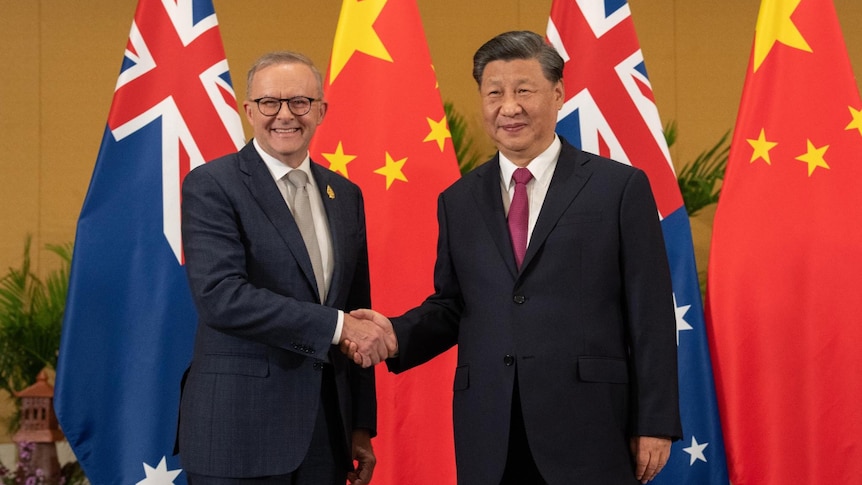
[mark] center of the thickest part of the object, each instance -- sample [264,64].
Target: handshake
[367,338]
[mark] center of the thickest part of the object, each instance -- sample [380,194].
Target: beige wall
[59,62]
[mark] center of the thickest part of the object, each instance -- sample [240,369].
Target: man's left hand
[364,457]
[650,455]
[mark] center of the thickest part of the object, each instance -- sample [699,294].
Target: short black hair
[519,44]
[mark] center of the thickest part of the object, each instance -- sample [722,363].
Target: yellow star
[439,131]
[774,25]
[857,120]
[392,170]
[761,148]
[355,33]
[338,161]
[814,157]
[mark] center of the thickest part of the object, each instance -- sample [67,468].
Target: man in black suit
[552,279]
[272,262]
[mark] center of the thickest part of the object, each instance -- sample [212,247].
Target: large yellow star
[857,120]
[814,157]
[338,161]
[774,25]
[761,148]
[439,131]
[392,170]
[355,33]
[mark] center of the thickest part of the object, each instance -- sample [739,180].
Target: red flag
[386,130]
[785,269]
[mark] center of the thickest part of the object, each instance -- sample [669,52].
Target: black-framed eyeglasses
[298,105]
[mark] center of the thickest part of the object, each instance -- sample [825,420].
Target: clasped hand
[367,338]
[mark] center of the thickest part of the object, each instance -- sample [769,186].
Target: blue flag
[610,111]
[129,323]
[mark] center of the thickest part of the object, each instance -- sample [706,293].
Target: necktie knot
[522,176]
[297,178]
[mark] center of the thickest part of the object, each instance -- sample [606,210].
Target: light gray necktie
[305,221]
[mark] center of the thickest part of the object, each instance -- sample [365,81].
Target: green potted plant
[31,319]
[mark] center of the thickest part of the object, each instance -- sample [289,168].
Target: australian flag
[610,110]
[129,323]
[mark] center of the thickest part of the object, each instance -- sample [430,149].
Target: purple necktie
[519,214]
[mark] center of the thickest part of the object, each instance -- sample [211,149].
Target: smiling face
[519,108]
[285,136]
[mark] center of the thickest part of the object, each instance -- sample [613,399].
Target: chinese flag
[386,131]
[785,270]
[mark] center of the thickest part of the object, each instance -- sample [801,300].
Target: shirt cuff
[336,339]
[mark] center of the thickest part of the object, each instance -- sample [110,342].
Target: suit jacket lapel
[266,193]
[322,179]
[490,201]
[569,178]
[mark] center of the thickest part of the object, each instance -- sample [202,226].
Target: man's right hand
[367,337]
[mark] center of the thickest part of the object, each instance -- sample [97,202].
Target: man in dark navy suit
[275,250]
[552,279]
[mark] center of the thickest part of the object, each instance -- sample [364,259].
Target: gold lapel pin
[330,192]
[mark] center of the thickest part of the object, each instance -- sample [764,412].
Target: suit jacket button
[519,299]
[317,366]
[509,360]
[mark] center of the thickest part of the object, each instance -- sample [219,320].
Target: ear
[249,110]
[324,106]
[559,94]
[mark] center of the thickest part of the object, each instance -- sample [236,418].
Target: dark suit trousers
[520,469]
[324,464]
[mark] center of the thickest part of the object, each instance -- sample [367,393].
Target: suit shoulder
[219,166]
[594,162]
[469,180]
[226,172]
[611,168]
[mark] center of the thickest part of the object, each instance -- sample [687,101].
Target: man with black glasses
[275,252]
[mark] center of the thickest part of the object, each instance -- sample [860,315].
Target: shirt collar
[278,169]
[539,166]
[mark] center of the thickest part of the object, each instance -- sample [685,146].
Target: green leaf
[700,180]
[468,158]
[670,133]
